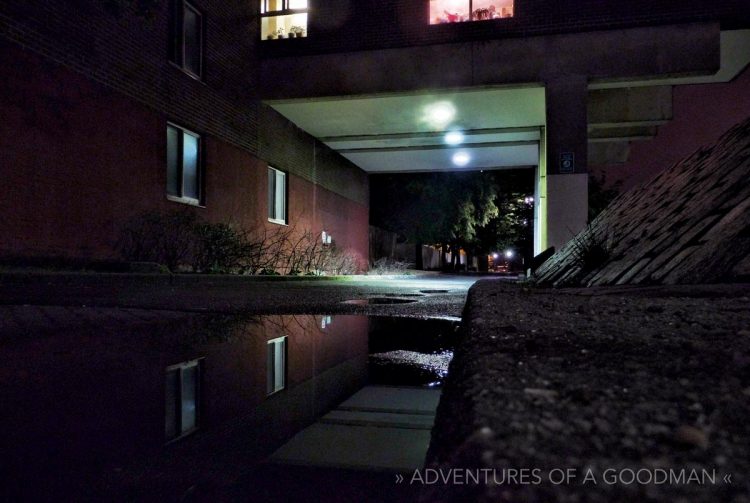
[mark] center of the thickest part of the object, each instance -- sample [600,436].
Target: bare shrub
[168,239]
[221,248]
[179,240]
[341,262]
[388,266]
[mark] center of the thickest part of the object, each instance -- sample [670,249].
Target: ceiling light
[454,138]
[439,114]
[461,158]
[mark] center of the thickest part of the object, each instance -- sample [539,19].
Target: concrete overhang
[636,54]
[370,105]
[494,128]
[734,57]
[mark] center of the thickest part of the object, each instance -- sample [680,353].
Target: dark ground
[605,379]
[76,343]
[601,379]
[240,294]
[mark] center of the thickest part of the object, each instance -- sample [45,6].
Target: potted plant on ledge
[296,31]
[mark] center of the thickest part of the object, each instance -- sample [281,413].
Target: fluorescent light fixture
[461,158]
[439,114]
[454,138]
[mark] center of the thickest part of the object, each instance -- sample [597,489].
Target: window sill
[186,200]
[266,39]
[182,436]
[187,72]
[278,222]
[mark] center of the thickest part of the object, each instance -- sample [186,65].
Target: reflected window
[182,399]
[276,367]
[458,11]
[187,38]
[183,165]
[282,19]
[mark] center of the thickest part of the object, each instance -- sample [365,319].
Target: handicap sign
[567,162]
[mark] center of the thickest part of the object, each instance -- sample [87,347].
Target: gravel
[603,383]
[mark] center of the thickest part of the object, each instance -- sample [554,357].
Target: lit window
[276,196]
[182,399]
[276,370]
[183,165]
[283,19]
[457,11]
[187,38]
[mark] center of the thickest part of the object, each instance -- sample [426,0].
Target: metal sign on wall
[567,162]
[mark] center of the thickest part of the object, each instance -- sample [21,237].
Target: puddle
[434,291]
[146,403]
[404,295]
[379,301]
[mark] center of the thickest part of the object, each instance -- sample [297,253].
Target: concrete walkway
[445,295]
[377,428]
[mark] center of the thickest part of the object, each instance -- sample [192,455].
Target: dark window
[187,38]
[182,399]
[184,167]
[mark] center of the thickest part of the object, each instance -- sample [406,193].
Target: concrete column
[566,145]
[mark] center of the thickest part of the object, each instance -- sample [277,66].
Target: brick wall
[85,100]
[78,159]
[346,25]
[128,53]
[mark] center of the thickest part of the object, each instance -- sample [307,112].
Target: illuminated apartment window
[283,19]
[184,167]
[276,196]
[186,49]
[276,368]
[458,11]
[182,399]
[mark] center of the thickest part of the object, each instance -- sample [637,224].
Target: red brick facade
[85,107]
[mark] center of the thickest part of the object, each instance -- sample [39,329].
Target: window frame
[285,355]
[284,11]
[178,39]
[274,220]
[180,368]
[200,166]
[471,15]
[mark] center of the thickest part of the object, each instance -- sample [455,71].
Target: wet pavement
[120,390]
[238,294]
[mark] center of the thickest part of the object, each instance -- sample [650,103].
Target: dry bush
[180,241]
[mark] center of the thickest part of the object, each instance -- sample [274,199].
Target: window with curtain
[458,11]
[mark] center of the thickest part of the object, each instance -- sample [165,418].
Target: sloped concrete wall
[689,224]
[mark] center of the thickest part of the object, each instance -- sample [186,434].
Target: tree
[472,211]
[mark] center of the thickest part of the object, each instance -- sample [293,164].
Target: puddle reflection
[145,408]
